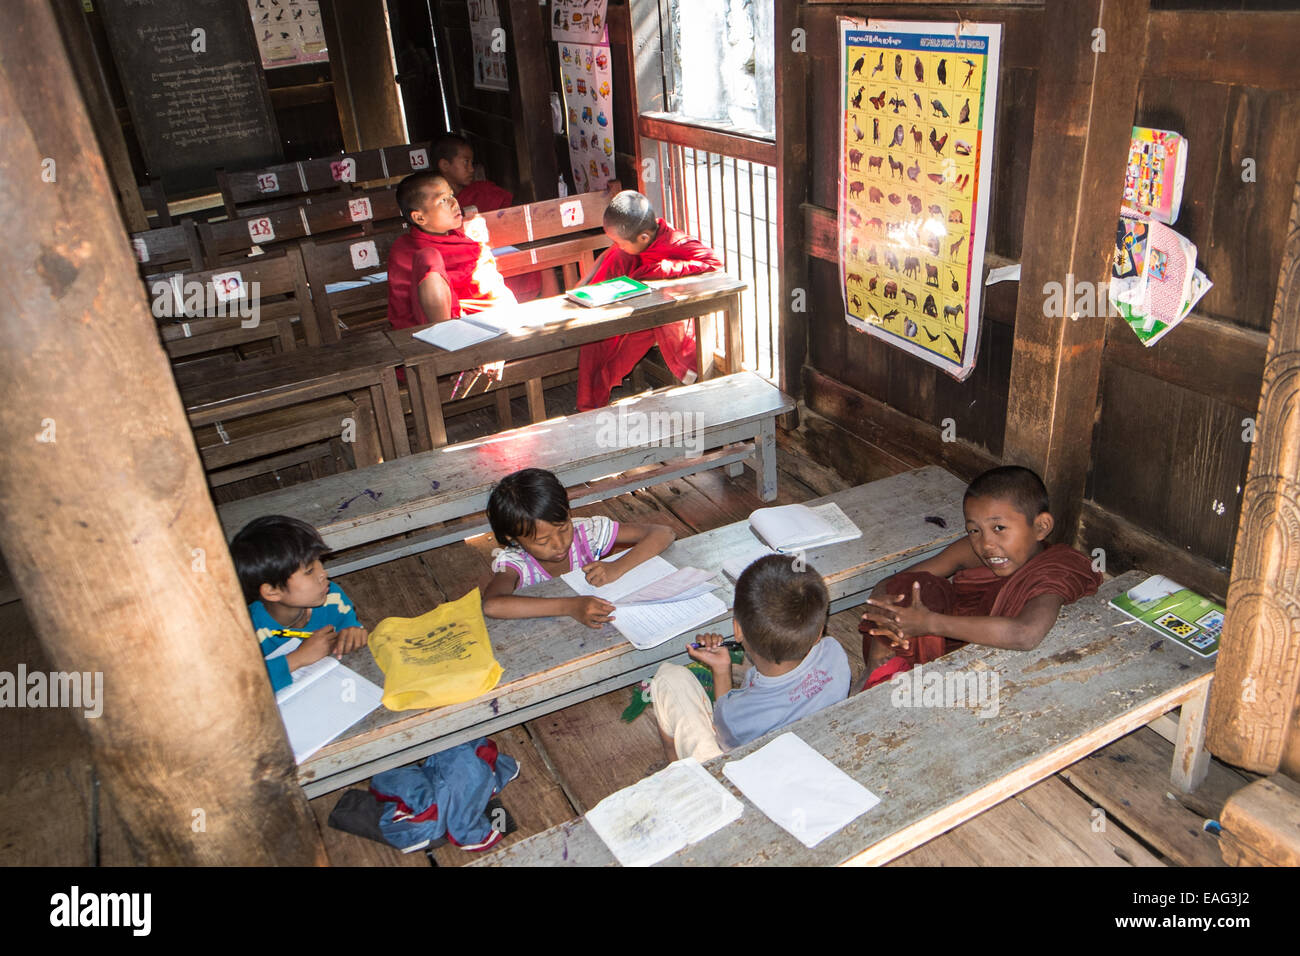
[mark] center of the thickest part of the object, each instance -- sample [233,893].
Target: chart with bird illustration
[919,101]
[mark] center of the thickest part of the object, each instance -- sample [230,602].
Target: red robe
[489,197]
[978,592]
[465,263]
[602,365]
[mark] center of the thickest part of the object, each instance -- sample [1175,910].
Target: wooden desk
[275,381]
[551,663]
[571,325]
[1096,677]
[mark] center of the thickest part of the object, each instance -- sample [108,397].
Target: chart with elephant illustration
[919,101]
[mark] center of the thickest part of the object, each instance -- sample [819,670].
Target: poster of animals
[589,107]
[487,37]
[288,32]
[578,21]
[918,101]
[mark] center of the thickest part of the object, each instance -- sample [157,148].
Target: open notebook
[325,699]
[654,602]
[799,528]
[456,334]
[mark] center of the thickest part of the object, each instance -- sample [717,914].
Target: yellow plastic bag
[440,658]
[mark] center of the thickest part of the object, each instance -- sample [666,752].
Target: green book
[609,291]
[1172,610]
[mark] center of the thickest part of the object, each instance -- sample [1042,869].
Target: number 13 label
[419,159]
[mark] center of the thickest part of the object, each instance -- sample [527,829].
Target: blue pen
[727,643]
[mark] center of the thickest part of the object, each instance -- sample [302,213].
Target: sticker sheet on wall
[916,154]
[578,21]
[288,32]
[589,109]
[488,39]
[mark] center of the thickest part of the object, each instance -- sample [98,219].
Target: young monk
[1000,585]
[435,271]
[453,157]
[644,247]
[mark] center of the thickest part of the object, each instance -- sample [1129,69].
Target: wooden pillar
[364,72]
[105,519]
[1253,709]
[792,113]
[1083,114]
[530,97]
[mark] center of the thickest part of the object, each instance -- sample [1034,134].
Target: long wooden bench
[552,663]
[1095,677]
[164,250]
[440,494]
[552,233]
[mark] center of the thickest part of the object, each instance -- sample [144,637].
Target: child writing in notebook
[529,514]
[1007,585]
[644,247]
[290,597]
[435,271]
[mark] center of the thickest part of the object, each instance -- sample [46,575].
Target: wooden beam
[792,117]
[1084,109]
[1259,824]
[530,91]
[665,129]
[890,429]
[1253,707]
[1255,48]
[365,74]
[104,514]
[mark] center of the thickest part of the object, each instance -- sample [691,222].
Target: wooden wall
[1167,448]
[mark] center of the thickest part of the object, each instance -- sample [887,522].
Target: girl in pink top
[529,514]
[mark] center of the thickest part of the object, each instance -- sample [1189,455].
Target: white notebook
[654,602]
[456,334]
[653,819]
[325,699]
[798,528]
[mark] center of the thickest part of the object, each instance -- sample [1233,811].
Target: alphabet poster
[916,157]
[589,105]
[488,39]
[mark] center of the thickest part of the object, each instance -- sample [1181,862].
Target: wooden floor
[1110,809]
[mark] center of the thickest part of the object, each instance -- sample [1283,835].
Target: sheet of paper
[799,789]
[507,319]
[681,585]
[1003,274]
[323,705]
[455,335]
[733,567]
[653,819]
[649,625]
[643,575]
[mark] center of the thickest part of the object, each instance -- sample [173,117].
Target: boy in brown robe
[1000,585]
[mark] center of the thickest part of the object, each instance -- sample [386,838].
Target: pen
[727,643]
[287,633]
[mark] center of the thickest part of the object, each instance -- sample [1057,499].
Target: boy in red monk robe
[644,247]
[435,271]
[1006,586]
[453,157]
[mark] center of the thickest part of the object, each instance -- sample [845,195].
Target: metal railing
[730,203]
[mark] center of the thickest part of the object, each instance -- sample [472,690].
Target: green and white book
[609,291]
[1175,612]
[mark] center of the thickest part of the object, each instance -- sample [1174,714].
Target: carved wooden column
[1253,704]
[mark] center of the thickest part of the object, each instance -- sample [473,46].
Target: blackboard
[197,101]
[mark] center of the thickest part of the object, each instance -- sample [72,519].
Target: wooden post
[104,516]
[365,73]
[530,98]
[792,114]
[1083,114]
[1253,709]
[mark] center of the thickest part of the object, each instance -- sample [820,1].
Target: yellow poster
[915,163]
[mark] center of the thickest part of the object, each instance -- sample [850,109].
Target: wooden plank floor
[51,812]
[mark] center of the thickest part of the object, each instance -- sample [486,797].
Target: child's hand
[315,647]
[710,651]
[600,573]
[350,639]
[592,611]
[906,621]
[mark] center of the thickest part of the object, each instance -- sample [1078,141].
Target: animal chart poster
[489,46]
[578,21]
[289,32]
[916,157]
[589,106]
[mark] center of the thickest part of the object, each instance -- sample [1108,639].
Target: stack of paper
[790,528]
[655,602]
[325,699]
[651,820]
[799,789]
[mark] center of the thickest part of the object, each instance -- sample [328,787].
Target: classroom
[494,433]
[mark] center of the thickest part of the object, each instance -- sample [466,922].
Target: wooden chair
[160,251]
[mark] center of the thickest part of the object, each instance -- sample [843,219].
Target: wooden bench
[365,364]
[274,285]
[552,663]
[160,251]
[568,326]
[1095,677]
[257,191]
[441,493]
[553,233]
[331,263]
